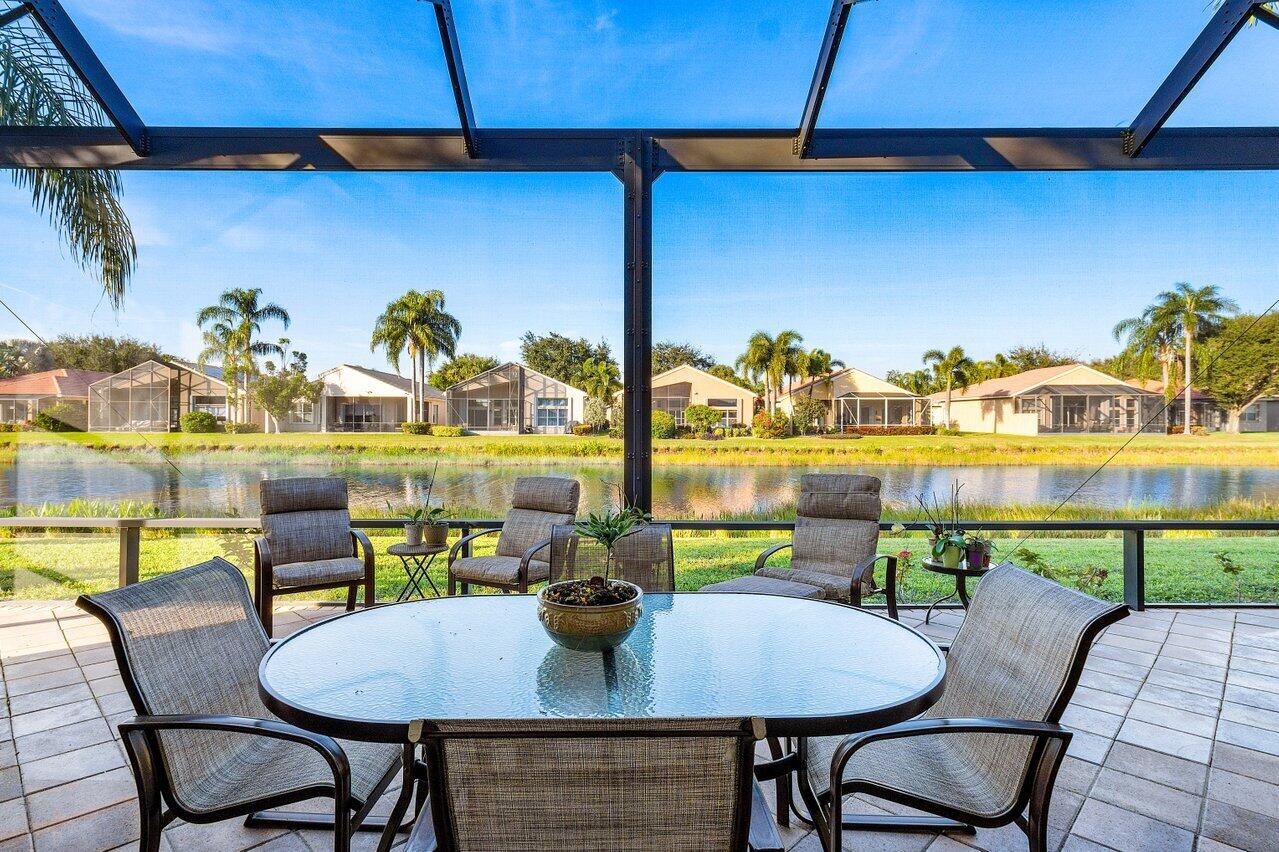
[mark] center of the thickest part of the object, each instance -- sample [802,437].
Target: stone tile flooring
[1177,743]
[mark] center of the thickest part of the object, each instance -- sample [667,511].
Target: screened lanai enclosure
[152,397]
[514,399]
[886,409]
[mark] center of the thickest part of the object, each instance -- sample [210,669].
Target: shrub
[243,428]
[596,415]
[701,418]
[583,429]
[766,425]
[448,431]
[846,431]
[10,427]
[198,421]
[663,425]
[61,417]
[807,413]
[416,427]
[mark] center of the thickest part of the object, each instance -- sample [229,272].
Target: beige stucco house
[22,397]
[1063,399]
[514,399]
[680,387]
[360,399]
[856,398]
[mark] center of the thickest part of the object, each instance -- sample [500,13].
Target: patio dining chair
[589,785]
[538,504]
[645,557]
[308,544]
[833,551]
[987,753]
[203,747]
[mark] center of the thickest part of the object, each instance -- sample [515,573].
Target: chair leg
[368,590]
[144,768]
[452,584]
[1036,826]
[350,596]
[266,610]
[783,784]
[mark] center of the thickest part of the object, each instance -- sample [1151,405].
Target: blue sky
[875,268]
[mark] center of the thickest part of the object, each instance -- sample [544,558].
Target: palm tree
[1198,312]
[232,325]
[817,363]
[996,368]
[772,359]
[39,89]
[1150,337]
[417,321]
[953,369]
[918,382]
[600,379]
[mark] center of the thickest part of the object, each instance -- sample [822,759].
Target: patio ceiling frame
[638,156]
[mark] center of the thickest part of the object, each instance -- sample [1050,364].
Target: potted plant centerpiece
[948,541]
[598,613]
[435,529]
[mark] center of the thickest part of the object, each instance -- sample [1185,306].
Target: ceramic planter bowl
[413,534]
[589,628]
[435,535]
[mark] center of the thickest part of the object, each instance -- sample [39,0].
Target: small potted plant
[977,550]
[949,548]
[413,523]
[595,614]
[435,529]
[946,538]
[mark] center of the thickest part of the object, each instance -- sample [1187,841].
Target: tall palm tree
[815,364]
[39,89]
[953,369]
[918,382]
[1150,337]
[234,323]
[417,321]
[996,368]
[1197,312]
[772,359]
[600,378]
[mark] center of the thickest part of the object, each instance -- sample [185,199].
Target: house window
[303,411]
[727,409]
[1252,414]
[13,411]
[1027,405]
[672,405]
[552,412]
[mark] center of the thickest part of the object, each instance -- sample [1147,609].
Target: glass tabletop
[806,667]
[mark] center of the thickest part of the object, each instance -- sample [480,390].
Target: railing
[1132,532]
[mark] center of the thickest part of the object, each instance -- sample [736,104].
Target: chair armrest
[763,557]
[326,746]
[262,554]
[360,541]
[466,539]
[528,556]
[773,769]
[867,567]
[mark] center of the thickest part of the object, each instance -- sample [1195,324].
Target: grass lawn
[1179,569]
[1257,449]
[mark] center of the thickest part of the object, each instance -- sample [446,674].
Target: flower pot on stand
[977,558]
[952,555]
[413,534]
[435,535]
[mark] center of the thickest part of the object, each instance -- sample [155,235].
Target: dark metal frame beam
[1223,27]
[840,10]
[16,13]
[638,156]
[457,75]
[1261,13]
[66,36]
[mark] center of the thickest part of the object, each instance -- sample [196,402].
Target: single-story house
[154,395]
[1067,398]
[514,399]
[22,397]
[360,399]
[1204,410]
[856,398]
[680,387]
[1261,416]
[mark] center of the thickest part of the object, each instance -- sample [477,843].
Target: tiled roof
[60,383]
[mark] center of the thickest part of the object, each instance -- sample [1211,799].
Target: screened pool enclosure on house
[638,156]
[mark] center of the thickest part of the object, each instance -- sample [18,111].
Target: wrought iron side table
[417,561]
[961,573]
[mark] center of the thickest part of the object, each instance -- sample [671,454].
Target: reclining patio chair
[590,785]
[539,503]
[833,551]
[308,544]
[203,748]
[645,557]
[987,753]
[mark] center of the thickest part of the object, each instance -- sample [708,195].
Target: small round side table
[961,573]
[417,561]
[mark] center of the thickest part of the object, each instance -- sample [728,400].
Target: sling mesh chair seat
[992,744]
[645,557]
[188,645]
[308,544]
[590,785]
[539,503]
[833,549]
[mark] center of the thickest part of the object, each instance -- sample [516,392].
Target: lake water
[215,486]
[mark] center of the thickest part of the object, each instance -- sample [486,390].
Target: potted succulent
[413,522]
[977,550]
[595,614]
[435,529]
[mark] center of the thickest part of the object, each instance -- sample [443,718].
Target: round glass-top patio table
[808,668]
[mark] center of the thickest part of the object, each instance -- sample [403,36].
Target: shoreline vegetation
[1217,449]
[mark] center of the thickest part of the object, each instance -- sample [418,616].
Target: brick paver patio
[1176,745]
